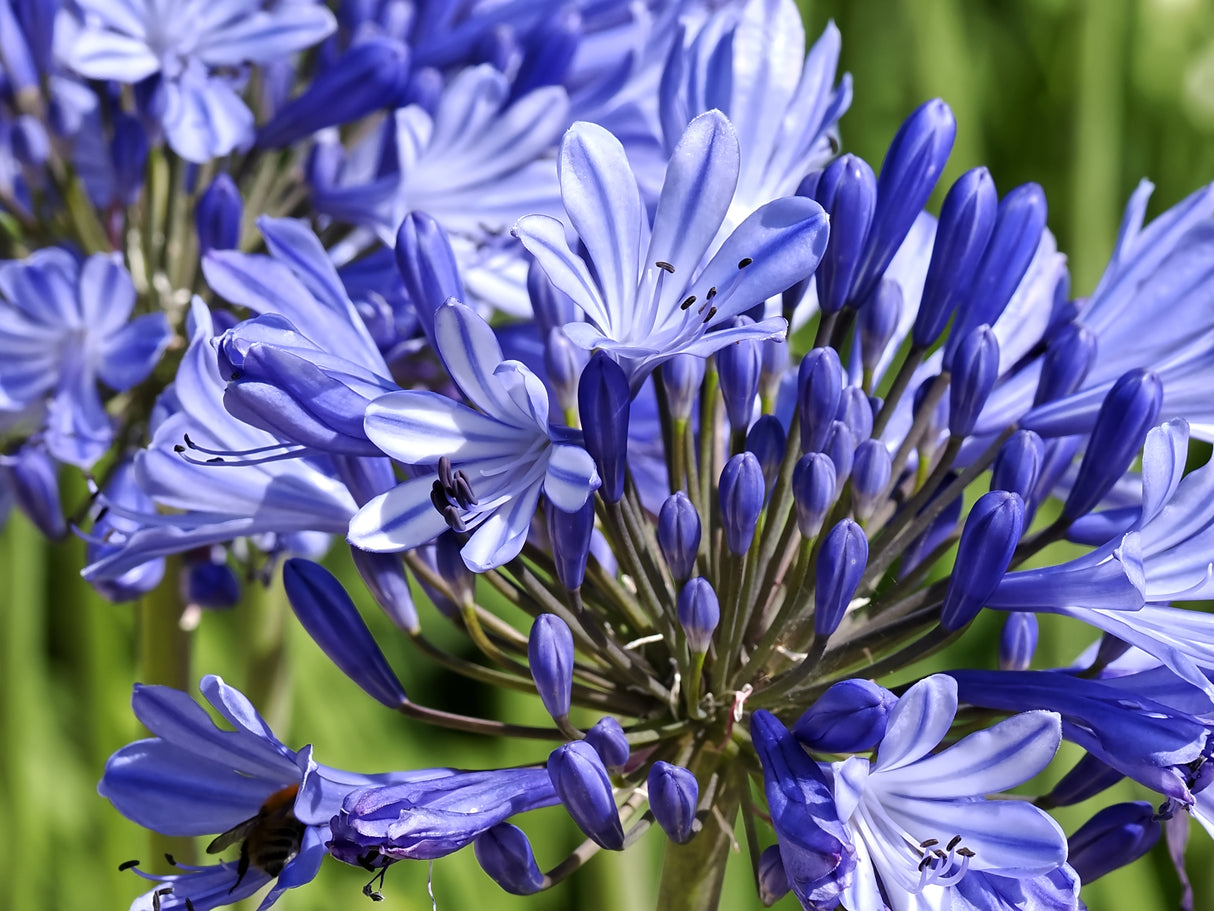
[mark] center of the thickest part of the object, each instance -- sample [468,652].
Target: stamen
[451,493]
[712,311]
[691,299]
[127,865]
[374,894]
[170,859]
[167,890]
[744,262]
[190,444]
[712,292]
[665,266]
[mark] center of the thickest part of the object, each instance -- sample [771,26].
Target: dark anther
[712,292]
[127,864]
[189,905]
[105,511]
[438,496]
[167,890]
[372,893]
[444,473]
[170,859]
[956,839]
[929,843]
[452,518]
[666,267]
[712,311]
[926,862]
[686,305]
[744,262]
[235,375]
[463,491]
[212,461]
[966,852]
[178,448]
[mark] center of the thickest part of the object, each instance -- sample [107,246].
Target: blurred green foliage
[1085,97]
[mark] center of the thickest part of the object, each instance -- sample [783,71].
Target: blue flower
[195,778]
[65,326]
[919,820]
[185,43]
[503,455]
[650,292]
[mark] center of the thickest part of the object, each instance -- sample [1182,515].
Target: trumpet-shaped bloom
[185,43]
[646,289]
[919,819]
[64,327]
[195,778]
[503,455]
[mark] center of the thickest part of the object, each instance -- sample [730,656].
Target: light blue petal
[400,519]
[571,477]
[918,722]
[604,205]
[107,294]
[133,351]
[97,54]
[418,428]
[544,238]
[267,36]
[471,354]
[204,118]
[500,538]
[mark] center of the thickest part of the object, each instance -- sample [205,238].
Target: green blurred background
[1085,97]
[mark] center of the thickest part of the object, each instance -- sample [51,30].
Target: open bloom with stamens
[504,455]
[645,289]
[919,820]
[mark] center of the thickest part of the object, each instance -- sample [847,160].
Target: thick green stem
[692,874]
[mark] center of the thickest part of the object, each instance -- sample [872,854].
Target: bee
[269,840]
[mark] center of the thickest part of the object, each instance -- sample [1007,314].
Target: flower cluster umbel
[580,307]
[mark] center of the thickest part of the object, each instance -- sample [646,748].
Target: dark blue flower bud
[449,561]
[966,221]
[550,655]
[679,535]
[681,378]
[1018,641]
[570,533]
[699,613]
[841,563]
[552,307]
[129,156]
[1019,224]
[564,363]
[870,477]
[768,441]
[841,447]
[331,619]
[856,411]
[1129,410]
[16,55]
[1089,776]
[847,191]
[604,402]
[581,781]
[849,717]
[35,485]
[1065,365]
[741,492]
[1018,464]
[975,368]
[550,52]
[505,854]
[738,365]
[773,879]
[1114,837]
[908,175]
[813,490]
[218,215]
[610,742]
[211,584]
[371,75]
[673,795]
[988,540]
[774,366]
[819,385]
[877,321]
[427,267]
[384,576]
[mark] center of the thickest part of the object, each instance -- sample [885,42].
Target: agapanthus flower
[66,326]
[194,49]
[498,456]
[195,778]
[646,307]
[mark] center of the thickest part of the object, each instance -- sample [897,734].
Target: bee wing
[237,833]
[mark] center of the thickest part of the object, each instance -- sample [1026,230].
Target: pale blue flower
[644,286]
[919,819]
[506,452]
